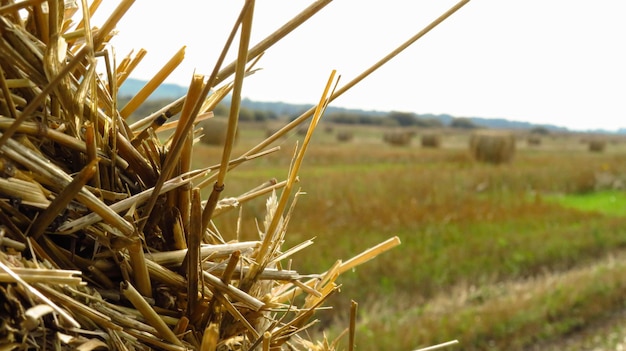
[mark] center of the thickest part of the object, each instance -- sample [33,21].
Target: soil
[608,334]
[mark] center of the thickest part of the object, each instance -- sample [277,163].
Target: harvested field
[468,230]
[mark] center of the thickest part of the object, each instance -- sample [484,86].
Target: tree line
[391,119]
[399,119]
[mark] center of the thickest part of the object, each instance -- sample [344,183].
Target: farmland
[496,256]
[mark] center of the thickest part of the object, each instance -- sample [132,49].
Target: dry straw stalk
[102,224]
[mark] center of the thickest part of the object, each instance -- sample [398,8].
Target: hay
[105,241]
[431,140]
[344,136]
[492,146]
[597,145]
[214,131]
[398,138]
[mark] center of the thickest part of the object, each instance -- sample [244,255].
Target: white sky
[545,61]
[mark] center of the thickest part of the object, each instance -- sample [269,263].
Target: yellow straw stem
[194,94]
[36,102]
[359,78]
[8,98]
[110,23]
[14,7]
[149,314]
[293,172]
[62,200]
[91,10]
[275,37]
[267,339]
[242,59]
[39,295]
[128,69]
[246,17]
[194,239]
[210,338]
[140,270]
[369,254]
[153,83]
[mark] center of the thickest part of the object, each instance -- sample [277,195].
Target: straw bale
[492,146]
[344,136]
[597,145]
[214,131]
[398,138]
[431,140]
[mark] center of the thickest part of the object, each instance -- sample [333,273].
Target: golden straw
[140,270]
[275,37]
[110,23]
[36,102]
[39,295]
[149,314]
[261,261]
[62,200]
[153,83]
[359,78]
[369,254]
[246,27]
[194,238]
[123,74]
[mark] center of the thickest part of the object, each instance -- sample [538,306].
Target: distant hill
[282,108]
[165,91]
[172,91]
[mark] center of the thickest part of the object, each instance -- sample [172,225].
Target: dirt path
[606,335]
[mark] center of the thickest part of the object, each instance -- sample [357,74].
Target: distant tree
[260,115]
[404,119]
[347,118]
[539,131]
[387,122]
[246,114]
[463,123]
[427,122]
[432,123]
[272,115]
[221,109]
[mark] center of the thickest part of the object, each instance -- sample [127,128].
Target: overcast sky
[544,61]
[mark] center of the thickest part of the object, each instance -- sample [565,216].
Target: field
[498,257]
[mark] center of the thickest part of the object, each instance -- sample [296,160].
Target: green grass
[467,229]
[610,202]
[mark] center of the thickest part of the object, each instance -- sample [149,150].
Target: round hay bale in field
[214,131]
[597,145]
[345,136]
[492,146]
[398,138]
[431,140]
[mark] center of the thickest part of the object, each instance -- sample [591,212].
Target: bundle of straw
[105,241]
